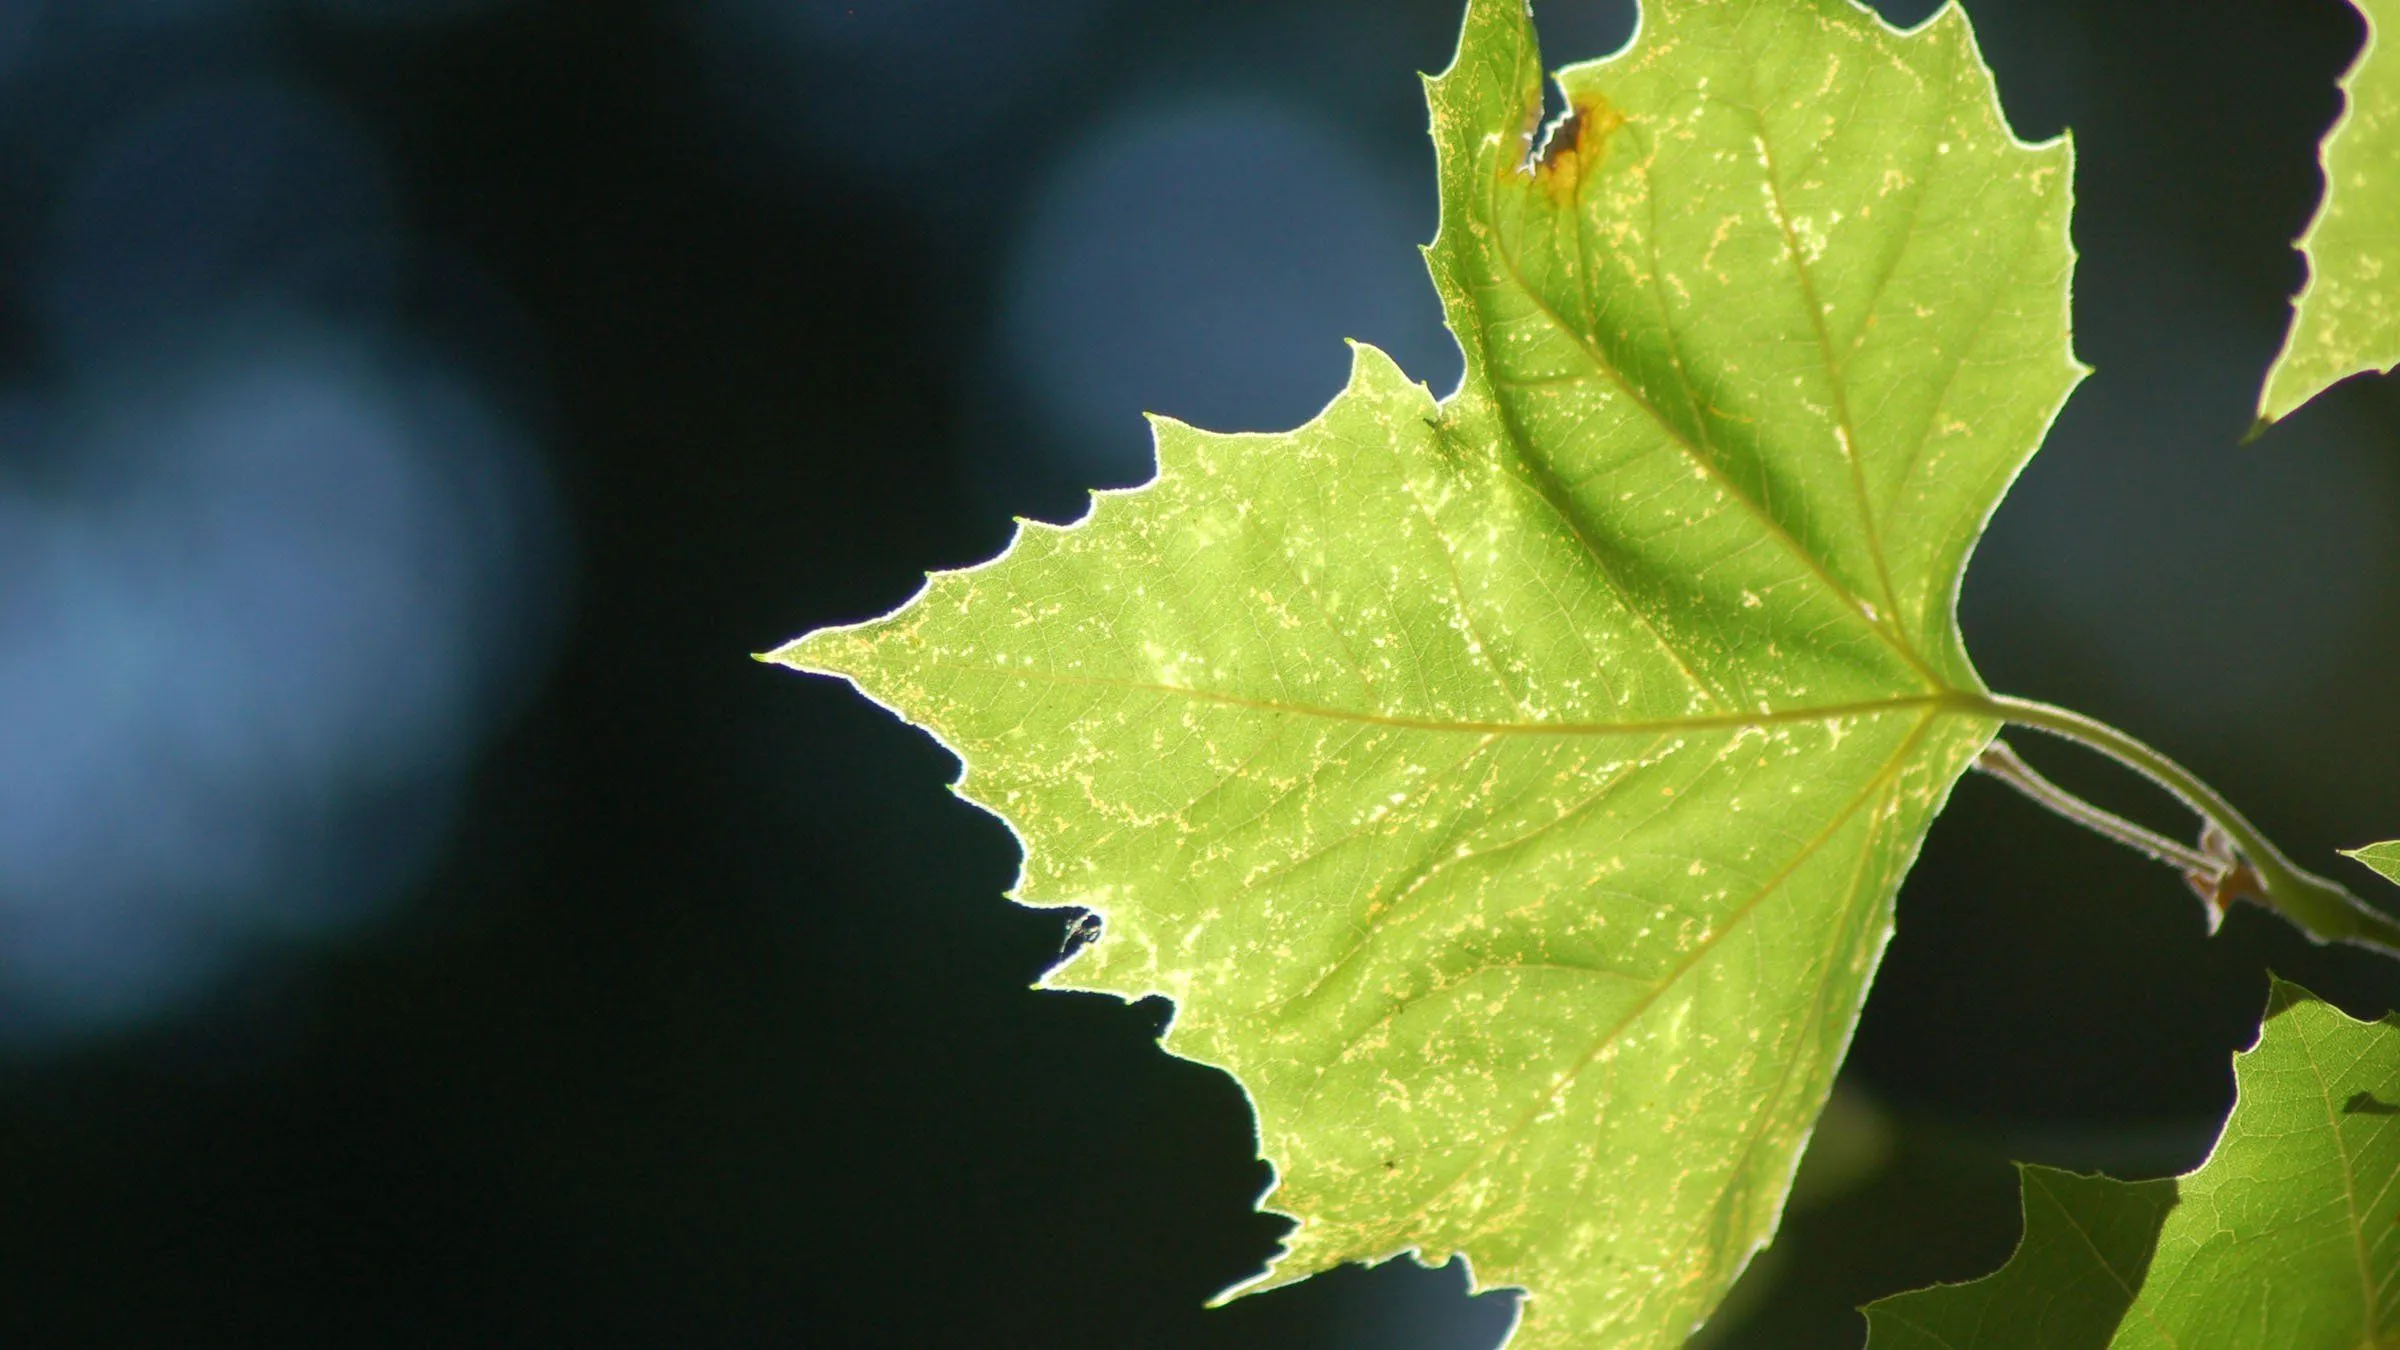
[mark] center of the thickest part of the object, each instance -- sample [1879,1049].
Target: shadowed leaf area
[2288,1236]
[1510,789]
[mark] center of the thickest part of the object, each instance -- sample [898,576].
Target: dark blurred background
[422,924]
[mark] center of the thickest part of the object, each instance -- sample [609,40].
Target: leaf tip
[2383,859]
[2283,996]
[826,651]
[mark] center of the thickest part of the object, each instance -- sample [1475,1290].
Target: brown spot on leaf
[1576,146]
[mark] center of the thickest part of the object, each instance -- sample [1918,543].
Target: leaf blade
[2088,1243]
[2346,319]
[1511,790]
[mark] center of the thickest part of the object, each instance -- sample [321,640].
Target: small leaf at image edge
[2288,1236]
[2346,319]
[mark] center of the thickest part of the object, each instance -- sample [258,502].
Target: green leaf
[2347,318]
[2384,858]
[2288,1236]
[1510,790]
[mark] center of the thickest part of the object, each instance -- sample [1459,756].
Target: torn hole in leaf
[1600,26]
[1542,129]
[1572,144]
[1082,931]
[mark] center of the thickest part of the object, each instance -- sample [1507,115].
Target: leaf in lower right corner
[2288,1236]
[2384,858]
[2347,318]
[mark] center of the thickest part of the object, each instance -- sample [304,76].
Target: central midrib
[1957,702]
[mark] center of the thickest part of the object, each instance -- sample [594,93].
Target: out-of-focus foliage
[2288,1236]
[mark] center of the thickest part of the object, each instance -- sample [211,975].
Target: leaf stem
[2321,908]
[2001,761]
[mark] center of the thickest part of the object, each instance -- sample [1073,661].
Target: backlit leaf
[1510,789]
[2384,858]
[2347,318]
[2288,1236]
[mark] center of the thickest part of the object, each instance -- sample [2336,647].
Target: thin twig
[2001,761]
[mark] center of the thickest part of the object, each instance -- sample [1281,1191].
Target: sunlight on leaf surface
[1510,790]
[2384,858]
[2288,1236]
[2347,318]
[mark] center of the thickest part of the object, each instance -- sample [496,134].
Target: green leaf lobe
[1510,789]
